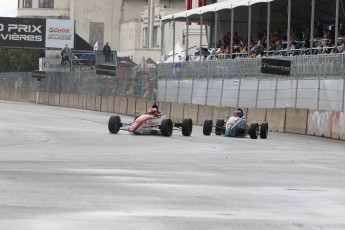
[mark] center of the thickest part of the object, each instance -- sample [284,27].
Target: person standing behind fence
[65,54]
[107,52]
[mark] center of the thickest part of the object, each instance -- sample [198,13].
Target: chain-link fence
[127,82]
[303,66]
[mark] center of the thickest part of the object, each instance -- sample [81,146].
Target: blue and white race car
[236,126]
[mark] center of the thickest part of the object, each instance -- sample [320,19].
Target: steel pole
[187,38]
[312,26]
[336,26]
[288,28]
[174,34]
[232,32]
[249,26]
[268,27]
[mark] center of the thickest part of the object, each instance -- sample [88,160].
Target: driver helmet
[153,111]
[237,113]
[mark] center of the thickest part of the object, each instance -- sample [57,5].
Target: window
[27,3]
[189,4]
[155,36]
[206,2]
[144,37]
[46,4]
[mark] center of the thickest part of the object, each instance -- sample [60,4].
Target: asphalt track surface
[60,168]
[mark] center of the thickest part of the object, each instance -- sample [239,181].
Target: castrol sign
[59,33]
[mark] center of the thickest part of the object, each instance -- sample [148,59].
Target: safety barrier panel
[219,113]
[276,119]
[176,112]
[338,125]
[123,105]
[72,100]
[191,111]
[256,115]
[296,121]
[165,107]
[140,106]
[204,112]
[290,120]
[319,123]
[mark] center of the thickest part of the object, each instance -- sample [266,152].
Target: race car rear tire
[167,127]
[220,127]
[187,127]
[254,130]
[207,127]
[114,124]
[263,130]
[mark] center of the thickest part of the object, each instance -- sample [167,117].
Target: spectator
[65,54]
[107,52]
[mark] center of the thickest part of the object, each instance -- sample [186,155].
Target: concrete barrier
[72,100]
[54,99]
[319,123]
[64,100]
[338,126]
[98,103]
[176,112]
[104,104]
[131,106]
[20,96]
[43,98]
[82,102]
[149,104]
[256,115]
[117,104]
[25,96]
[13,95]
[165,108]
[276,119]
[33,97]
[204,112]
[5,95]
[140,106]
[219,113]
[90,102]
[111,100]
[191,111]
[123,105]
[296,121]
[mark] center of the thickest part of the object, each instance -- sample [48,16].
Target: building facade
[132,27]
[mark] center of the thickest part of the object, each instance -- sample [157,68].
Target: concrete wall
[328,124]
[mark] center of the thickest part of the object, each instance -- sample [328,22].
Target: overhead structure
[286,14]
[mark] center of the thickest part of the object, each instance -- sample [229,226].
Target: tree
[19,60]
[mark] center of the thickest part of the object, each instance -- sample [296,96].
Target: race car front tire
[114,124]
[187,127]
[207,127]
[263,130]
[167,127]
[220,127]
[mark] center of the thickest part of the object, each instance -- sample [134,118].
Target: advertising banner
[22,32]
[59,33]
[275,66]
[36,33]
[52,65]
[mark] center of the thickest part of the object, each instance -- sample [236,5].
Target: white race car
[151,123]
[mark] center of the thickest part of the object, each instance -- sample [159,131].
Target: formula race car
[236,126]
[153,122]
